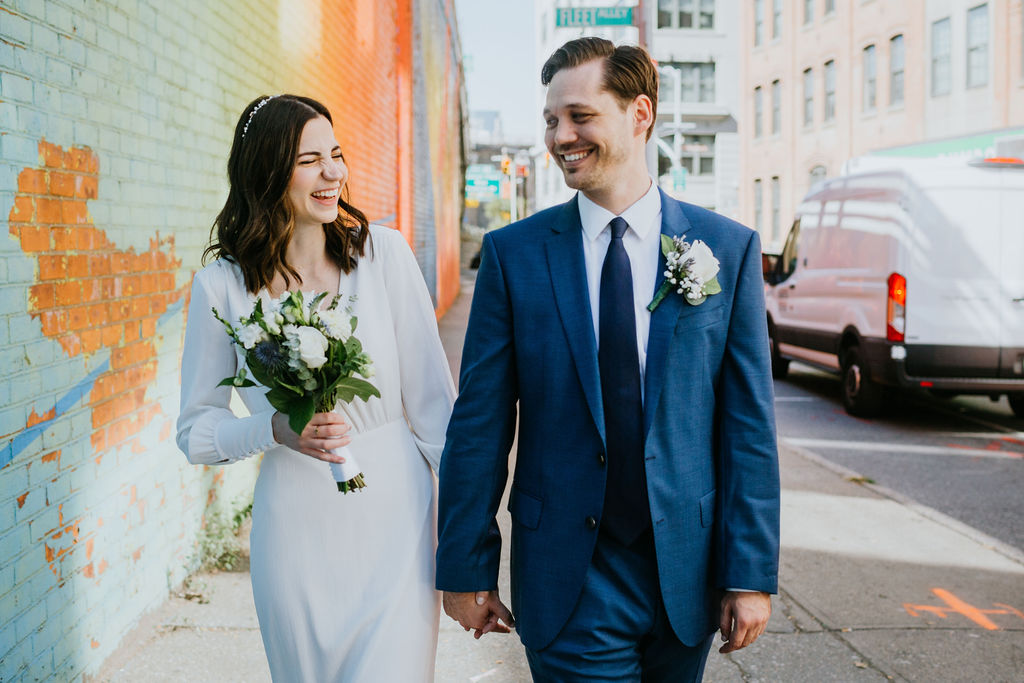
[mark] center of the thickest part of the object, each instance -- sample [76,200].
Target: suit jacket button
[591,523]
[600,458]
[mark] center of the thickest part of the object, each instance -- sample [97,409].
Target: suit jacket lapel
[569,280]
[665,316]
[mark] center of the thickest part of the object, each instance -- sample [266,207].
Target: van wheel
[1017,404]
[780,365]
[862,396]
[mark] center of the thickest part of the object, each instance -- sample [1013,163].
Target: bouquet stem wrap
[347,473]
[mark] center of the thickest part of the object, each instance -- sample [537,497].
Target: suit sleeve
[748,490]
[474,465]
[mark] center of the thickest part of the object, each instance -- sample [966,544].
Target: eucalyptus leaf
[667,245]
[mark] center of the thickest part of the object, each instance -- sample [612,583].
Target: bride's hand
[324,432]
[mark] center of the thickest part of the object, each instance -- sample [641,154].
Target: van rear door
[1011,224]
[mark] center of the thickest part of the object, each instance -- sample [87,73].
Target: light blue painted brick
[40,526]
[12,419]
[8,116]
[86,133]
[73,50]
[60,128]
[58,72]
[57,434]
[34,502]
[7,513]
[16,28]
[30,563]
[30,63]
[39,353]
[7,50]
[13,544]
[7,637]
[31,120]
[41,667]
[18,149]
[86,82]
[57,379]
[13,482]
[15,87]
[60,18]
[12,301]
[46,96]
[44,39]
[58,490]
[21,326]
[20,269]
[26,386]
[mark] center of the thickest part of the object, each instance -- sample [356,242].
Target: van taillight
[896,308]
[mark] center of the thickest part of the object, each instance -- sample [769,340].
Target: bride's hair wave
[256,224]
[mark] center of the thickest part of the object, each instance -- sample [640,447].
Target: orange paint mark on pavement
[955,605]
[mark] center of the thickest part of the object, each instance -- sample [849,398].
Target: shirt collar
[641,216]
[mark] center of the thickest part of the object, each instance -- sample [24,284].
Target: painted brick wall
[115,124]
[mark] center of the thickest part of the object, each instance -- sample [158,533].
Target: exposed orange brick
[71,343]
[120,357]
[41,296]
[32,181]
[137,554]
[23,210]
[35,238]
[88,571]
[138,449]
[51,154]
[88,548]
[48,210]
[149,283]
[34,418]
[148,327]
[52,455]
[92,340]
[54,322]
[92,290]
[140,309]
[120,310]
[78,265]
[62,184]
[21,499]
[74,211]
[94,643]
[78,159]
[165,430]
[68,292]
[99,264]
[167,282]
[102,566]
[63,239]
[112,334]
[85,187]
[52,267]
[131,331]
[98,440]
[49,552]
[77,318]
[119,262]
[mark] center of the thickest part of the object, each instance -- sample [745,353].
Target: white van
[906,273]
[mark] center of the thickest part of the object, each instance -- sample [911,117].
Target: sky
[497,48]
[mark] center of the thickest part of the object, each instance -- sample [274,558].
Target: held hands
[743,618]
[479,611]
[323,433]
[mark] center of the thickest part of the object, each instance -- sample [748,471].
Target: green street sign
[566,17]
[482,189]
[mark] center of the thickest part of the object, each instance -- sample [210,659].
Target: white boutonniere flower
[690,270]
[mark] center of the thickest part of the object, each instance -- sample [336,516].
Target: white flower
[311,345]
[337,323]
[250,335]
[705,265]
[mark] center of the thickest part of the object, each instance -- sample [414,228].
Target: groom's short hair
[628,69]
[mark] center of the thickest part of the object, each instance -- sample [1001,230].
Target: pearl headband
[253,113]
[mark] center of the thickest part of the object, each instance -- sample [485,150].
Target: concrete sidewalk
[872,587]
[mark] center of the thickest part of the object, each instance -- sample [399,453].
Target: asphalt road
[962,456]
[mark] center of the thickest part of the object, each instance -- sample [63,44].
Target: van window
[788,258]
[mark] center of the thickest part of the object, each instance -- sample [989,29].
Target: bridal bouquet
[308,359]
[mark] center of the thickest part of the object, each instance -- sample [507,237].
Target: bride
[343,584]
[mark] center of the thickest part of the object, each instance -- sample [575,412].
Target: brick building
[115,125]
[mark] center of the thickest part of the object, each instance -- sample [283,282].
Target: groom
[645,498]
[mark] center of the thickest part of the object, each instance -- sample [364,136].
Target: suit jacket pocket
[707,509]
[702,315]
[524,507]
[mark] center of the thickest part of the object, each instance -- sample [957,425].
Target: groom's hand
[744,617]
[480,611]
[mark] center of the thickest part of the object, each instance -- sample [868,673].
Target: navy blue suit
[710,451]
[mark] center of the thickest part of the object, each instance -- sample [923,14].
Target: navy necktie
[626,510]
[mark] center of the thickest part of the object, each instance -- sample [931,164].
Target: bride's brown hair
[255,225]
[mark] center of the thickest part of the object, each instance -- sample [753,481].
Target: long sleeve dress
[343,584]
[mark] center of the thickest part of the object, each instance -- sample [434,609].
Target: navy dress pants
[619,630]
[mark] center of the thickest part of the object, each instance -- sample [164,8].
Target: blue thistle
[269,355]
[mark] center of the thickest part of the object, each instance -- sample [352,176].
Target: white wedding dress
[343,583]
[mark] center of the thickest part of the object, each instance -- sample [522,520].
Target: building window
[818,174]
[870,78]
[776,18]
[941,48]
[697,154]
[757,205]
[830,90]
[977,46]
[686,14]
[696,79]
[808,97]
[830,7]
[808,11]
[896,61]
[757,111]
[776,108]
[758,22]
[776,198]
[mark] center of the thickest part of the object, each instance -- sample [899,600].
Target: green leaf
[302,413]
[281,400]
[226,382]
[667,245]
[712,286]
[348,387]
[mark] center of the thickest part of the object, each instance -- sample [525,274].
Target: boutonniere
[690,269]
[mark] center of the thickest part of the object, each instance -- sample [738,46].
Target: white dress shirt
[643,246]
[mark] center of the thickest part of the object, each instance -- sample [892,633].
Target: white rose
[705,265]
[312,346]
[337,323]
[250,335]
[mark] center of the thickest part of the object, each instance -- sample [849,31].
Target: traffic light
[506,166]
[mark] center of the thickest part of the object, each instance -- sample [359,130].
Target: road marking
[955,605]
[903,448]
